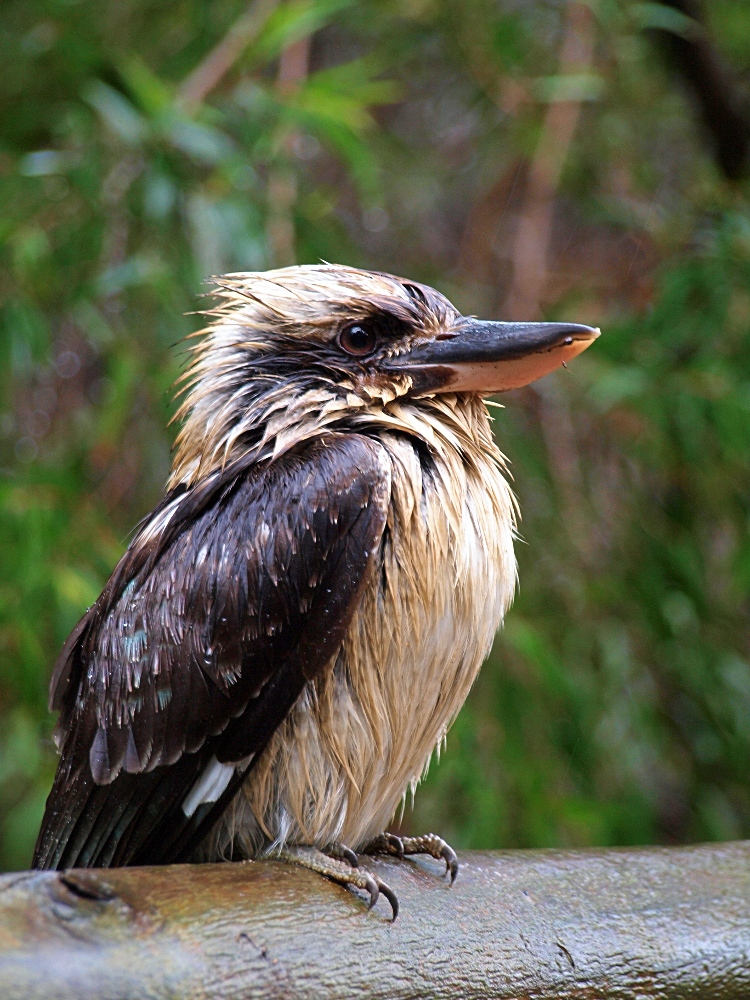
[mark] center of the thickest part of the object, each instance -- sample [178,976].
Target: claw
[392,898]
[386,843]
[396,845]
[350,856]
[343,853]
[451,861]
[377,887]
[372,887]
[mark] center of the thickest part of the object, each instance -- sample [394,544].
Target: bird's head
[297,350]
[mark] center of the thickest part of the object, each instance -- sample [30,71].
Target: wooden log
[668,923]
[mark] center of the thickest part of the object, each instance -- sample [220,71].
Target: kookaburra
[295,626]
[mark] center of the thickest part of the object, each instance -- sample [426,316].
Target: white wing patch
[211,784]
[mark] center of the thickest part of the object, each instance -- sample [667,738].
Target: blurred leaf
[666,18]
[569,87]
[201,142]
[151,93]
[117,112]
[334,105]
[44,162]
[293,21]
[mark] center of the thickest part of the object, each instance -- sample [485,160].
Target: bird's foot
[340,864]
[428,843]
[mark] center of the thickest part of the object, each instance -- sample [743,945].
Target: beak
[489,357]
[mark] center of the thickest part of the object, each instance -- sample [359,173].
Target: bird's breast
[446,576]
[363,733]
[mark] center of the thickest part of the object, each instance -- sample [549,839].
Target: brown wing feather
[202,641]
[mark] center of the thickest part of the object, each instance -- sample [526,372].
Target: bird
[293,629]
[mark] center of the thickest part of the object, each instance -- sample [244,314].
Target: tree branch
[294,65]
[531,250]
[207,75]
[668,923]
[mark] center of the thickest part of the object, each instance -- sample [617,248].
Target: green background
[615,708]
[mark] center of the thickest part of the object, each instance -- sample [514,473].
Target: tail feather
[136,819]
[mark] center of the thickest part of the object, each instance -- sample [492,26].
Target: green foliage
[616,704]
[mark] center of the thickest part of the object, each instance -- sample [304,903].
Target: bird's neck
[257,421]
[261,419]
[449,425]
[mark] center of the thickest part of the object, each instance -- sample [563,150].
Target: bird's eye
[357,339]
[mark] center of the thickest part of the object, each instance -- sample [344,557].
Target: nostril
[446,336]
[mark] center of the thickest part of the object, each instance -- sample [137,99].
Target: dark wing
[230,597]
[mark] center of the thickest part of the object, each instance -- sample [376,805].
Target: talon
[340,852]
[397,846]
[451,861]
[392,898]
[386,843]
[348,855]
[372,887]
